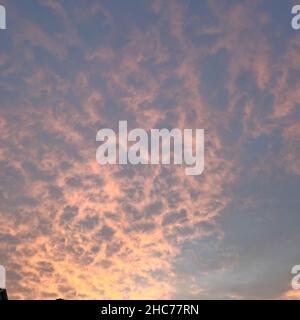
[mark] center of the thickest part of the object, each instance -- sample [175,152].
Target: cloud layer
[73,229]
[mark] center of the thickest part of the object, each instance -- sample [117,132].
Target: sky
[71,228]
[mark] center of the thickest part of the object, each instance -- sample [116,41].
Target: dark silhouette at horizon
[3,294]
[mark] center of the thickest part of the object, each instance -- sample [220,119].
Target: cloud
[74,229]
